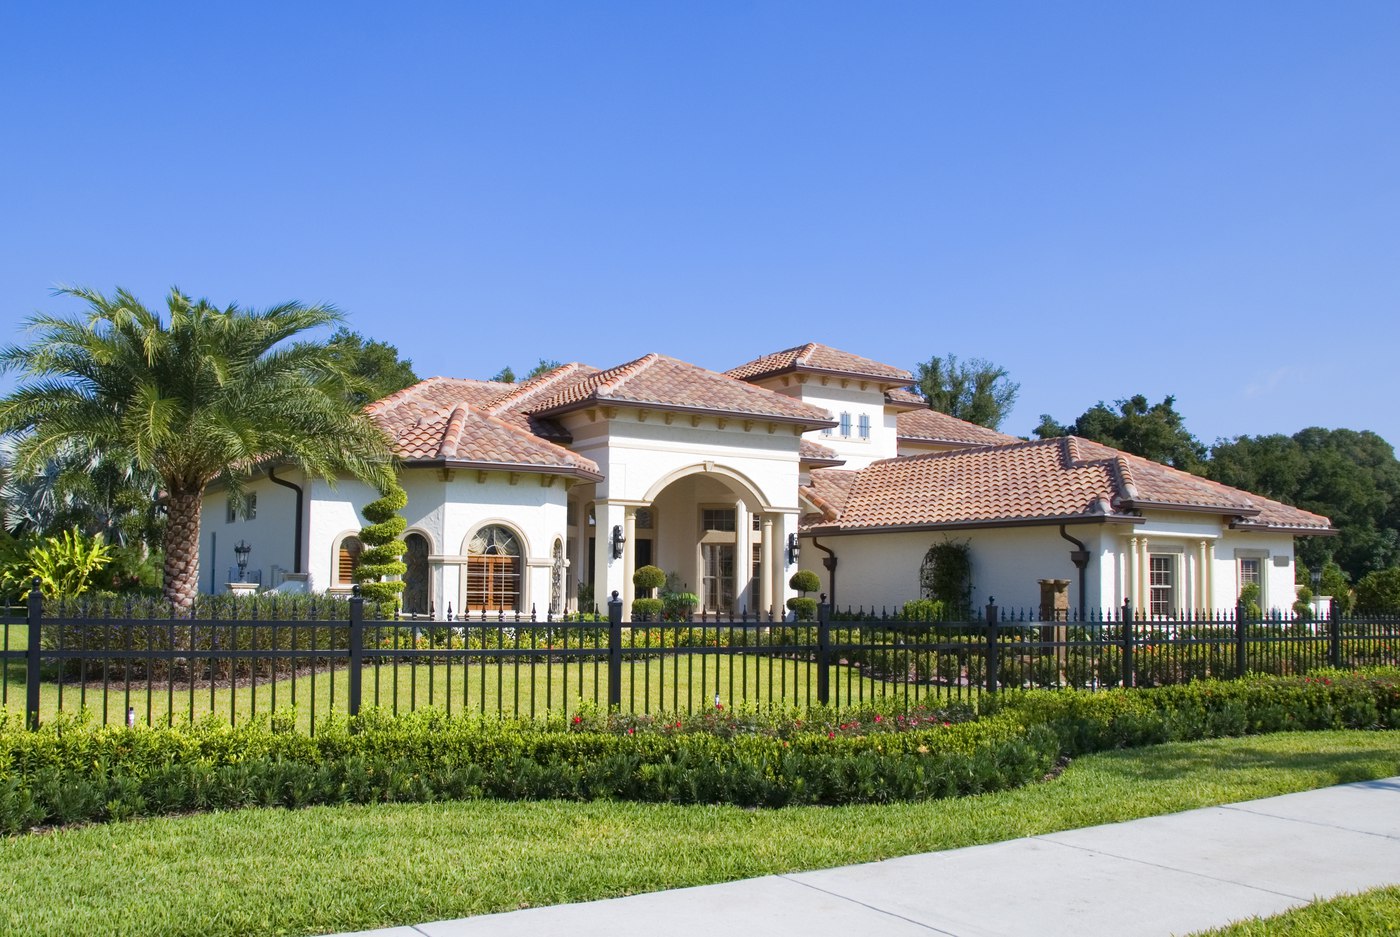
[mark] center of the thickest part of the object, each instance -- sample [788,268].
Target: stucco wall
[882,570]
[269,533]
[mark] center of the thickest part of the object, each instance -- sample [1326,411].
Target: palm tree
[211,393]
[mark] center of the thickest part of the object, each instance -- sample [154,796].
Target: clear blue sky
[1199,199]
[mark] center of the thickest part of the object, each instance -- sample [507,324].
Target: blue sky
[1198,199]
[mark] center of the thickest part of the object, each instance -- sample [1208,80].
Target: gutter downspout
[296,537]
[829,561]
[1080,557]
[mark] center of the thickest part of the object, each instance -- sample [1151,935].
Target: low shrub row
[72,771]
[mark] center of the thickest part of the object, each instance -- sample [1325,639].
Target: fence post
[31,657]
[1241,646]
[824,652]
[357,648]
[993,662]
[1127,675]
[615,651]
[1334,633]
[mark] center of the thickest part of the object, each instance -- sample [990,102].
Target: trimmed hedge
[72,771]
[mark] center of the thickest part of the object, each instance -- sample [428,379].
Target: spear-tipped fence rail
[127,664]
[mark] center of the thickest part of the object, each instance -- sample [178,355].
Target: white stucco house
[525,498]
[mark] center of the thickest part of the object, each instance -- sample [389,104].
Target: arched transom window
[493,570]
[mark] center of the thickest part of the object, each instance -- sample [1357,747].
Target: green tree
[373,368]
[506,375]
[1378,592]
[206,393]
[1351,477]
[976,390]
[1154,431]
[544,366]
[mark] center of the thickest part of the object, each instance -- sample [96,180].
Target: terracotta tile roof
[1151,484]
[925,425]
[671,384]
[1044,480]
[808,451]
[821,359]
[828,492]
[512,406]
[445,420]
[905,398]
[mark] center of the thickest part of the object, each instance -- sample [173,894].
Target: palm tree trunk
[182,548]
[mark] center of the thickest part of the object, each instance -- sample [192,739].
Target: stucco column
[1210,571]
[1130,571]
[1202,593]
[608,575]
[629,560]
[743,562]
[779,573]
[1144,576]
[765,588]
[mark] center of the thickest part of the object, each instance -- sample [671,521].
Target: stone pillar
[608,575]
[1054,599]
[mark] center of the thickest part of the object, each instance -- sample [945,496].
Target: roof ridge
[452,432]
[521,392]
[963,450]
[625,372]
[571,457]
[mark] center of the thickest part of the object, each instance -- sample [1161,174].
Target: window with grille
[845,424]
[1162,586]
[347,559]
[493,571]
[863,426]
[717,519]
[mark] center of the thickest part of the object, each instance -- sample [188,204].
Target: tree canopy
[1351,477]
[373,369]
[201,394]
[1153,431]
[975,390]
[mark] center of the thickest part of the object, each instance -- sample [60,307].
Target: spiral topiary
[383,553]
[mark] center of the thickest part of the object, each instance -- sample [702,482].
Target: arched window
[556,580]
[415,592]
[347,559]
[493,570]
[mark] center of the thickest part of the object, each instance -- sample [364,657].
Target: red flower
[577,719]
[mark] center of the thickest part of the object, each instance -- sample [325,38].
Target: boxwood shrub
[72,770]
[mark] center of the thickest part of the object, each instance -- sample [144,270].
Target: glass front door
[718,581]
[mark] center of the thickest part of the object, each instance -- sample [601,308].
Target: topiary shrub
[804,581]
[647,609]
[946,575]
[923,610]
[383,553]
[648,579]
[1249,601]
[803,608]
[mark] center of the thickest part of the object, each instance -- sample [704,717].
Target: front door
[717,584]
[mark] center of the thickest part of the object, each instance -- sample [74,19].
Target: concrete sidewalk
[1161,875]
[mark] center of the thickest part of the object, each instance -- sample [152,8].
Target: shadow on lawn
[1172,761]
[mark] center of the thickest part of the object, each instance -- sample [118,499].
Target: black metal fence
[140,668]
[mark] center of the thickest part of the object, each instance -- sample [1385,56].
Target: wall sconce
[241,550]
[617,541]
[793,549]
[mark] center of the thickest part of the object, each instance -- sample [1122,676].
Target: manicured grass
[1370,913]
[674,684]
[350,868]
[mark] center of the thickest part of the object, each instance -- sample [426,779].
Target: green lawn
[673,684]
[350,868]
[1370,913]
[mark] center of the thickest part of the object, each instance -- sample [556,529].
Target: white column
[765,588]
[629,560]
[743,562]
[780,576]
[1144,576]
[1210,571]
[608,575]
